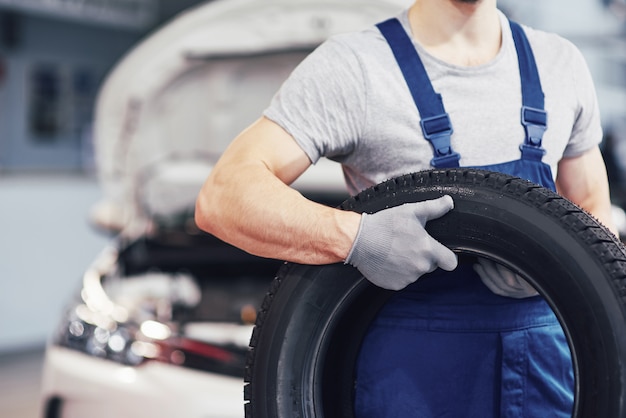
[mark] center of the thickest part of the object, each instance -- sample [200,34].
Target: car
[160,323]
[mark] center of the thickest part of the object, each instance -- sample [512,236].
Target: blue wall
[69,49]
[46,188]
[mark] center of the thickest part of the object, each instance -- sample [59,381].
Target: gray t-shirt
[348,101]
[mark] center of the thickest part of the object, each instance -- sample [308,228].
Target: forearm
[583,180]
[248,206]
[600,207]
[267,218]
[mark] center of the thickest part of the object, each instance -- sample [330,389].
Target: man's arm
[583,180]
[247,202]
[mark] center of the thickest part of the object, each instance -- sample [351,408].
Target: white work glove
[392,249]
[503,281]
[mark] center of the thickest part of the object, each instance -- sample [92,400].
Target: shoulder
[552,48]
[569,88]
[560,63]
[347,57]
[355,45]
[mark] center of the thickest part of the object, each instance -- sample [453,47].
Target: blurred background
[54,55]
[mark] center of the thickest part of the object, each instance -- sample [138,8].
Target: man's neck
[464,33]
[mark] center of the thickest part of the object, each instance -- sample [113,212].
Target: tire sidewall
[301,369]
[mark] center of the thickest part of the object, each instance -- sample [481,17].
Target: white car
[161,322]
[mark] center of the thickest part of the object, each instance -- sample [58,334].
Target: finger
[488,267]
[502,281]
[433,209]
[508,278]
[487,280]
[503,271]
[514,280]
[528,289]
[501,276]
[525,287]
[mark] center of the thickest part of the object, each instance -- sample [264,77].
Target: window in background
[46,119]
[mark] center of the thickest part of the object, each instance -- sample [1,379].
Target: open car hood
[174,102]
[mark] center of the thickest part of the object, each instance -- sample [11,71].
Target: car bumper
[76,386]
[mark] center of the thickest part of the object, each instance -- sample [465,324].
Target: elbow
[202,215]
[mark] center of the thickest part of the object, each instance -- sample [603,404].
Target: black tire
[308,332]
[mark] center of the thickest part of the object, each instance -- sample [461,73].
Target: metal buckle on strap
[438,130]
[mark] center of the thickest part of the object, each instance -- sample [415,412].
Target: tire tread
[603,244]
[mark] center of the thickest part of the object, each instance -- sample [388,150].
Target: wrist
[348,225]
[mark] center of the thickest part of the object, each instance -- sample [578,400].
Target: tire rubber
[304,346]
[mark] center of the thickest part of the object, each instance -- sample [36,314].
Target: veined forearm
[253,210]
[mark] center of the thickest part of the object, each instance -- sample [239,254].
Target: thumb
[433,209]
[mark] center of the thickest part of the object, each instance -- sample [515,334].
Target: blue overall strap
[534,117]
[435,122]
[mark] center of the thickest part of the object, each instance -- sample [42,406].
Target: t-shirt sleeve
[322,102]
[587,129]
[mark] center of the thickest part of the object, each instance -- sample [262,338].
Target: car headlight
[97,326]
[80,330]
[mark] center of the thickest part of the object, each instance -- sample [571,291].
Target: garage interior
[53,58]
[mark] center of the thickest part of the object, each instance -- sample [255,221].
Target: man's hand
[503,281]
[392,249]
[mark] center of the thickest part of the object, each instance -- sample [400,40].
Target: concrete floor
[20,378]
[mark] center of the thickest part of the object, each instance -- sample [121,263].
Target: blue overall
[446,346]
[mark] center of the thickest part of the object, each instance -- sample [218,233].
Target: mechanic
[478,341]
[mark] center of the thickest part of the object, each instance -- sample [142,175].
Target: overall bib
[446,346]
